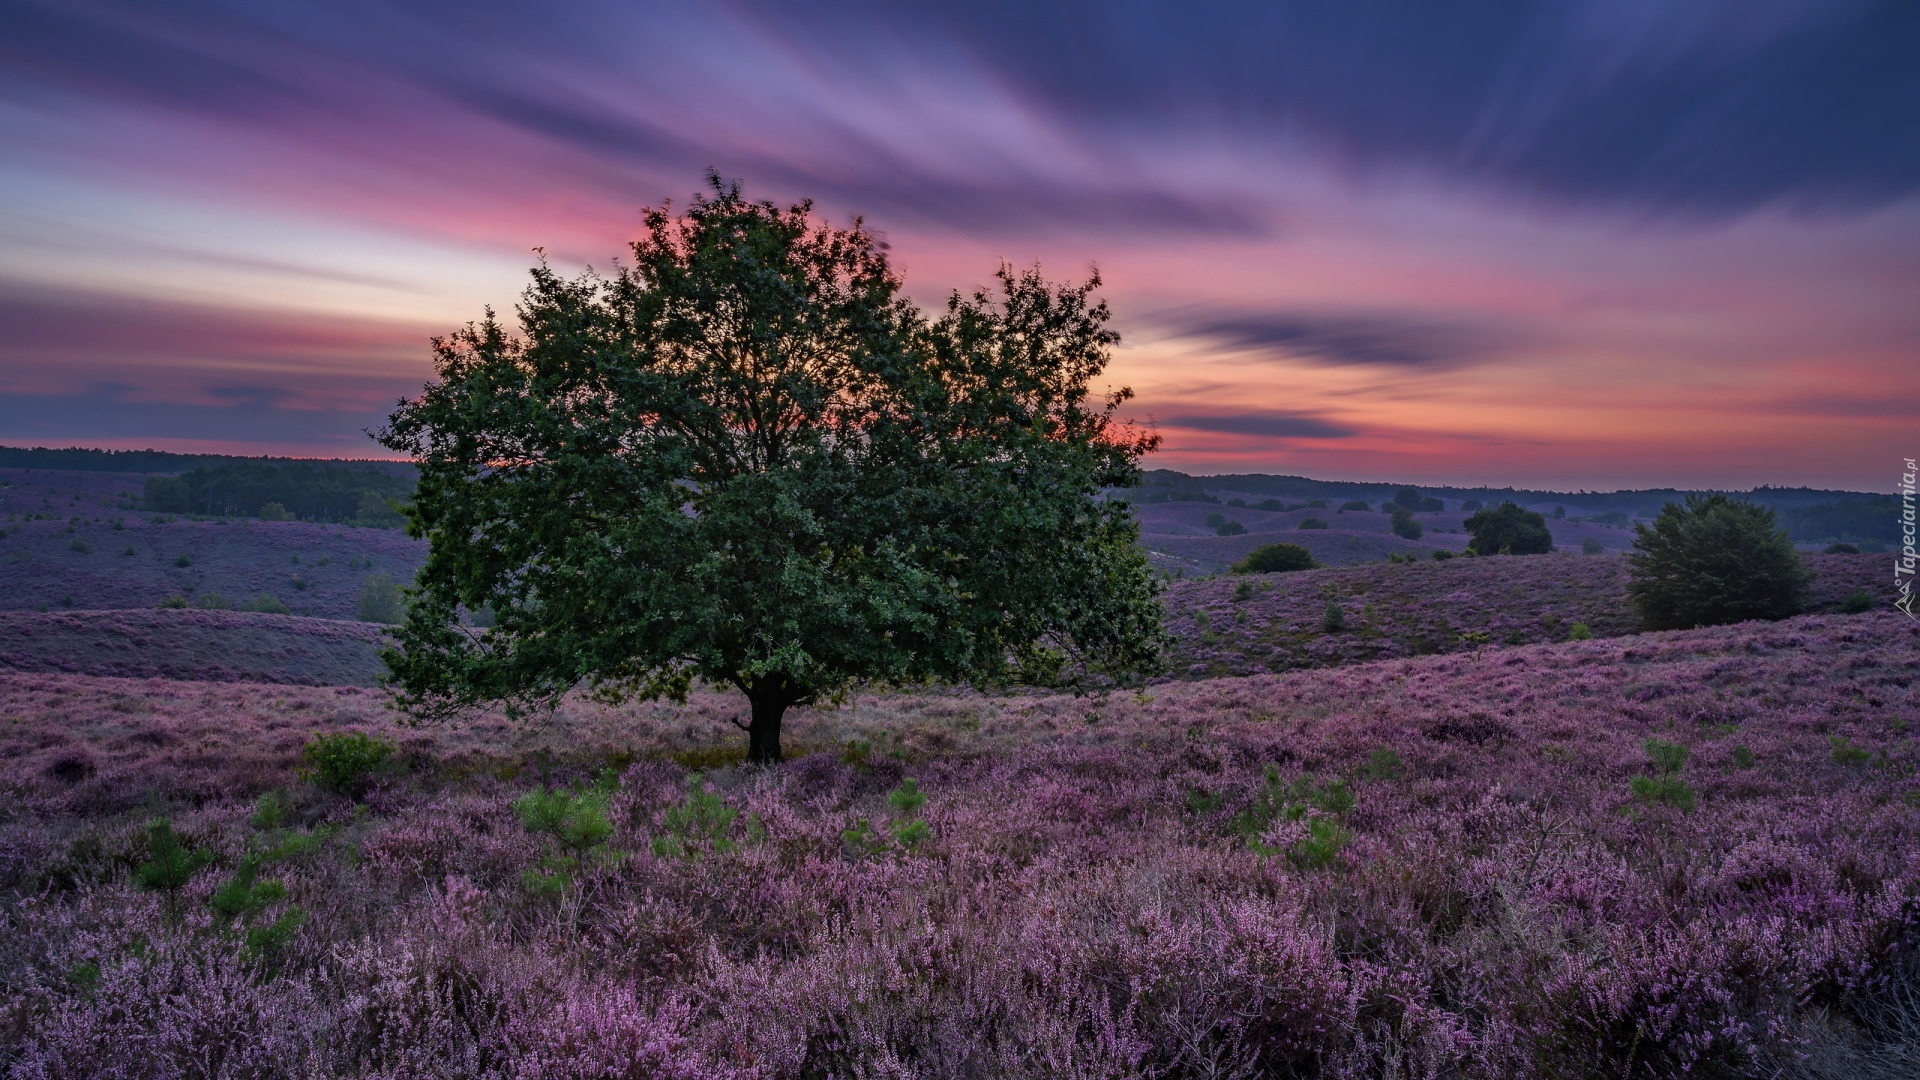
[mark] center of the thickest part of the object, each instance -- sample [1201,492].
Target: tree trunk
[763,734]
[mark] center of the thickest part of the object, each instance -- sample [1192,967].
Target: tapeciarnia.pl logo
[1903,563]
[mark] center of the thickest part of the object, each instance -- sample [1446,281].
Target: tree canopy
[1714,560]
[744,458]
[1508,529]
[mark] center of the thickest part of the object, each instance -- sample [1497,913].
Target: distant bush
[273,511]
[1408,497]
[1403,524]
[1230,528]
[1715,560]
[1274,505]
[1580,632]
[1471,505]
[381,600]
[1509,530]
[185,560]
[1590,546]
[175,601]
[1857,601]
[1214,521]
[1442,555]
[1311,523]
[81,546]
[344,761]
[210,601]
[1275,559]
[1241,503]
[379,512]
[127,552]
[1842,549]
[1316,504]
[1432,506]
[1559,513]
[1355,504]
[267,604]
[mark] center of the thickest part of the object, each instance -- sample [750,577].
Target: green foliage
[1590,546]
[273,511]
[1408,498]
[1311,523]
[266,603]
[1841,549]
[580,822]
[1855,520]
[244,895]
[1742,757]
[908,831]
[1245,590]
[1382,764]
[1846,754]
[1580,632]
[381,600]
[1404,526]
[1470,505]
[922,504]
[1508,529]
[1275,559]
[169,866]
[1442,555]
[1856,601]
[1665,786]
[1274,505]
[344,761]
[210,601]
[1355,504]
[1334,619]
[81,547]
[184,560]
[1318,805]
[1715,560]
[702,823]
[1396,558]
[174,601]
[1231,528]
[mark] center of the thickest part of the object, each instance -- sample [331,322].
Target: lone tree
[1275,559]
[1508,529]
[745,459]
[1715,560]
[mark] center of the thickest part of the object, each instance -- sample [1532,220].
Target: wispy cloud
[1388,340]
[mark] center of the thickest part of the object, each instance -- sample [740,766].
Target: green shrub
[1214,521]
[1355,504]
[1320,806]
[344,761]
[380,600]
[1508,530]
[210,601]
[1410,498]
[579,822]
[1316,504]
[1857,601]
[169,866]
[1275,559]
[1311,523]
[1442,555]
[1590,546]
[1470,505]
[1742,757]
[273,511]
[702,823]
[1580,632]
[1404,526]
[1382,764]
[1846,754]
[1274,505]
[127,552]
[1665,785]
[265,603]
[1842,549]
[81,546]
[1231,528]
[184,560]
[1334,619]
[1715,560]
[175,601]
[1241,503]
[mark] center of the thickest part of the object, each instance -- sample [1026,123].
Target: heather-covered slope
[1466,865]
[77,541]
[1276,622]
[223,646]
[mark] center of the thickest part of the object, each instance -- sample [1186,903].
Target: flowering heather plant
[1428,866]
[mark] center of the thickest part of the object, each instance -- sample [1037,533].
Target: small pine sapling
[1665,786]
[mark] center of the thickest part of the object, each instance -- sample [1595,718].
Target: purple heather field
[1690,853]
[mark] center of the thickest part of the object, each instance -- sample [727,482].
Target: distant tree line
[1873,520]
[263,489]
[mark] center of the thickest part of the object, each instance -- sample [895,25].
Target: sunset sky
[1617,243]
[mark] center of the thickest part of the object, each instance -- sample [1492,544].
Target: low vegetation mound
[219,646]
[1245,625]
[1687,853]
